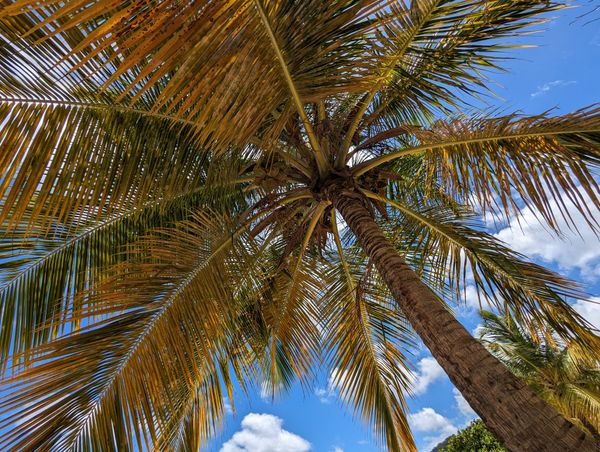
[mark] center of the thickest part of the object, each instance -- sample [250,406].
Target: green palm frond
[290,312]
[557,372]
[449,50]
[499,162]
[429,50]
[159,321]
[366,340]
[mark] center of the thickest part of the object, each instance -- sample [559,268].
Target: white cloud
[429,371]
[263,433]
[462,405]
[325,395]
[428,420]
[438,427]
[471,300]
[543,89]
[590,310]
[337,449]
[574,251]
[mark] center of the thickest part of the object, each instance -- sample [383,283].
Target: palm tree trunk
[522,420]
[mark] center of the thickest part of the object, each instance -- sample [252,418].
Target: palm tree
[560,375]
[177,178]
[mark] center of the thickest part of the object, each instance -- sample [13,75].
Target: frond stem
[377,161]
[94,106]
[319,157]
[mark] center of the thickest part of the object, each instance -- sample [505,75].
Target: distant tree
[563,376]
[475,438]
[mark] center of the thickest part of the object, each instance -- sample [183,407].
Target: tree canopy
[196,193]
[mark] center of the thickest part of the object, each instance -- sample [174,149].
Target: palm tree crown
[173,180]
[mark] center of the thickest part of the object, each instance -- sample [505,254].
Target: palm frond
[429,50]
[211,63]
[42,270]
[444,48]
[529,292]
[366,341]
[159,321]
[68,163]
[555,371]
[290,312]
[200,415]
[497,163]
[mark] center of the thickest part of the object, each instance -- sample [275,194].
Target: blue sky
[561,73]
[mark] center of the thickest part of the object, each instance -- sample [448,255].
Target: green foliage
[565,376]
[474,438]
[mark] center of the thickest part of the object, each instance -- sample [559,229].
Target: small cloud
[429,371]
[337,449]
[335,382]
[462,405]
[543,89]
[428,420]
[436,426]
[263,433]
[325,395]
[362,442]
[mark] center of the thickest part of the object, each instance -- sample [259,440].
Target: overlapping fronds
[166,179]
[429,51]
[499,163]
[43,269]
[224,66]
[564,379]
[438,48]
[290,311]
[366,341]
[159,321]
[200,417]
[450,246]
[68,163]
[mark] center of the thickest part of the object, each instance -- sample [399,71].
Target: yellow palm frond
[159,321]
[211,63]
[366,340]
[497,162]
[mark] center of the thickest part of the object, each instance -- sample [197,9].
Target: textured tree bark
[517,416]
